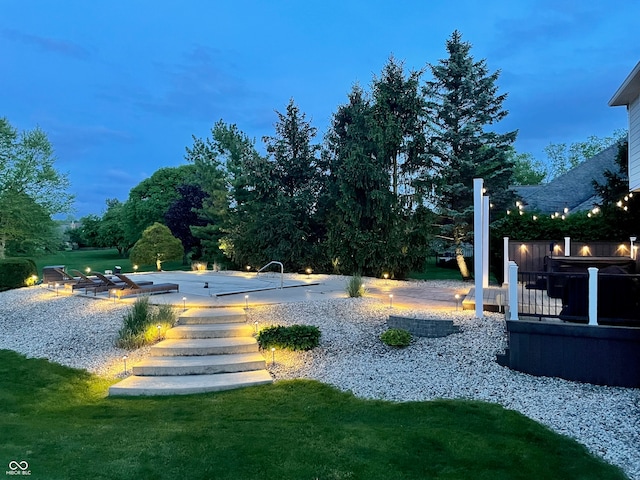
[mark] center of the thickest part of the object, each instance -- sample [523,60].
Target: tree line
[393,172]
[390,181]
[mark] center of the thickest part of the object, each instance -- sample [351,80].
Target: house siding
[634,145]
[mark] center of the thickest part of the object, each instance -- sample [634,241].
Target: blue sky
[120,86]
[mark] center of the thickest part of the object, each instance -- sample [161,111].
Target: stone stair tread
[212,316]
[187,384]
[204,342]
[199,364]
[198,360]
[220,329]
[204,346]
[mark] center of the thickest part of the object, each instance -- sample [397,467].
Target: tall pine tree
[462,101]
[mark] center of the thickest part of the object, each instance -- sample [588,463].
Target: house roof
[629,90]
[573,189]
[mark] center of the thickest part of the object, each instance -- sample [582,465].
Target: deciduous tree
[28,177]
[156,245]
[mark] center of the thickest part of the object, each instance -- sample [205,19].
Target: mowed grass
[59,421]
[98,260]
[106,259]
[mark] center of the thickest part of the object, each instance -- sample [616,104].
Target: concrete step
[200,365]
[214,330]
[195,316]
[206,346]
[182,385]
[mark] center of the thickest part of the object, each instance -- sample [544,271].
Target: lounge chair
[56,275]
[108,284]
[78,280]
[134,288]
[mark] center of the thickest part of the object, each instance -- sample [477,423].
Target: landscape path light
[273,355]
[391,300]
[124,359]
[457,297]
[255,326]
[184,304]
[246,302]
[57,286]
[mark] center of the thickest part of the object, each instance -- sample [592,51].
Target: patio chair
[134,288]
[78,280]
[107,284]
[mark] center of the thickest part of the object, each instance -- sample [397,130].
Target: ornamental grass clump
[396,337]
[145,324]
[295,337]
[355,286]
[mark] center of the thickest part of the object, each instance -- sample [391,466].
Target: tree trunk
[3,243]
[462,264]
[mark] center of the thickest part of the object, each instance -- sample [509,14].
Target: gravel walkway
[80,332]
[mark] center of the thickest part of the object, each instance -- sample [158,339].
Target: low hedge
[295,337]
[17,272]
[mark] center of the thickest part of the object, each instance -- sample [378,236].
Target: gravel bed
[80,332]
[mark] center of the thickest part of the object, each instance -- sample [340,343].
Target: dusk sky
[120,86]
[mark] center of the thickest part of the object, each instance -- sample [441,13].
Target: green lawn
[106,259]
[59,421]
[98,260]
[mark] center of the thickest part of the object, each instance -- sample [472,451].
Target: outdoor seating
[107,283]
[133,288]
[78,280]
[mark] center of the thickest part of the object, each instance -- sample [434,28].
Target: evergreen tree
[399,110]
[233,176]
[376,226]
[299,177]
[462,102]
[361,193]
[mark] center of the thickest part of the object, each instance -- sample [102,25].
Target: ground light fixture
[246,302]
[159,328]
[391,300]
[457,297]
[57,286]
[184,304]
[308,270]
[88,269]
[135,268]
[255,326]
[124,359]
[273,355]
[114,293]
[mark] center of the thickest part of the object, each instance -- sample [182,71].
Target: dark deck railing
[566,296]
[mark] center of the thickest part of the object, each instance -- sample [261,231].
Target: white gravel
[80,332]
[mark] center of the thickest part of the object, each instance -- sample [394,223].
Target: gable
[629,95]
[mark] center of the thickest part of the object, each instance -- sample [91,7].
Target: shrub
[16,272]
[396,337]
[355,286]
[141,324]
[295,337]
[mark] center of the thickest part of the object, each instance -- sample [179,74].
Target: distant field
[98,260]
[106,259]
